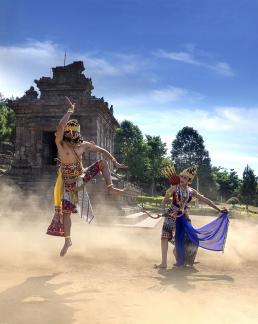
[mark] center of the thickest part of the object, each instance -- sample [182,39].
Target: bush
[233,201]
[158,200]
[7,121]
[150,200]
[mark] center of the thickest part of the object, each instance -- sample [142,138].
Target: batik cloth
[169,233]
[169,225]
[70,195]
[212,236]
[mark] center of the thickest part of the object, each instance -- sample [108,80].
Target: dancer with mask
[72,175]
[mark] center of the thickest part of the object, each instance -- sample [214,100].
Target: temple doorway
[49,149]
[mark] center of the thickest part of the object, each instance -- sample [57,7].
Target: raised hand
[71,106]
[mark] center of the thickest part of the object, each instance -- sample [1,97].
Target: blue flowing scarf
[211,236]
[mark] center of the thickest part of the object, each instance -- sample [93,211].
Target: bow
[149,214]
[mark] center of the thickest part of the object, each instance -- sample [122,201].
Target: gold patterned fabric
[70,196]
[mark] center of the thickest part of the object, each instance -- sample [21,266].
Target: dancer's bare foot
[115,191]
[67,244]
[160,266]
[176,265]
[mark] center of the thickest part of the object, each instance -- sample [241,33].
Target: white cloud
[222,68]
[238,119]
[178,56]
[189,57]
[169,106]
[168,94]
[20,65]
[230,133]
[102,67]
[234,160]
[159,98]
[230,157]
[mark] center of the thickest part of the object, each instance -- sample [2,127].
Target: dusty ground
[108,277]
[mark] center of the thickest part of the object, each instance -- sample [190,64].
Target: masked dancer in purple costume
[177,227]
[72,175]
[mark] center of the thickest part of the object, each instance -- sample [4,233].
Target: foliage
[256,197]
[188,149]
[149,199]
[228,181]
[233,201]
[156,154]
[249,186]
[163,183]
[131,149]
[144,157]
[7,121]
[157,201]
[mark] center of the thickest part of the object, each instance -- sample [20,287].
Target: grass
[236,211]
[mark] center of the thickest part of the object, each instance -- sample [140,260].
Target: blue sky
[162,64]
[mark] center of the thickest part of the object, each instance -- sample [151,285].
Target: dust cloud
[108,277]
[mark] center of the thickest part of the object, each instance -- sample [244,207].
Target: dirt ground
[108,277]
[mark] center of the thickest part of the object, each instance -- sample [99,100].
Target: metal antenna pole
[64,58]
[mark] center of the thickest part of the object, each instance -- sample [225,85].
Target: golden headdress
[72,125]
[170,173]
[72,132]
[189,172]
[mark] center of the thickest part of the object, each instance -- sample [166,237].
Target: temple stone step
[131,210]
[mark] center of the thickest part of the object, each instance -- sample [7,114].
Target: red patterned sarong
[70,195]
[56,228]
[90,172]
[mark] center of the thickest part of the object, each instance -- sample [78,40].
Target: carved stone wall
[37,117]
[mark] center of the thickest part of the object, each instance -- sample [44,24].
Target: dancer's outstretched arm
[207,201]
[168,194]
[107,155]
[60,128]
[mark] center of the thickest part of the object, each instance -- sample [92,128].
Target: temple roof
[67,80]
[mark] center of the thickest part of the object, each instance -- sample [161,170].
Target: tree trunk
[152,188]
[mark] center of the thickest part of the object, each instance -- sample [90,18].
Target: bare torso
[67,152]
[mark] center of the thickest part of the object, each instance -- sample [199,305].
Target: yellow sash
[59,186]
[58,190]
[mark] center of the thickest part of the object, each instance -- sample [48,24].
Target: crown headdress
[189,172]
[72,132]
[72,125]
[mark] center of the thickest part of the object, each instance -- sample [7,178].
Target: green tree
[228,182]
[162,182]
[248,187]
[256,196]
[7,121]
[131,149]
[156,154]
[188,149]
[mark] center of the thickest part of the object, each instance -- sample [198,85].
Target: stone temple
[37,116]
